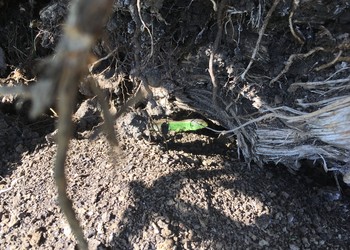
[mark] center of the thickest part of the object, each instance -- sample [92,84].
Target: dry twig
[215,48]
[92,66]
[291,60]
[327,65]
[290,19]
[261,33]
[138,3]
[316,84]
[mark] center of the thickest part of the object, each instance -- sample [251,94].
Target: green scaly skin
[181,126]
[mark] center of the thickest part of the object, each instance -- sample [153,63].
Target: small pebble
[263,243]
[166,245]
[293,247]
[305,242]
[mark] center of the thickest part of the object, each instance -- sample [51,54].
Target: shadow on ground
[236,207]
[19,135]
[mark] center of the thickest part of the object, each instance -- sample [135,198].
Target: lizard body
[165,125]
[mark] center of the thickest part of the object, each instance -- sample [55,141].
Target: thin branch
[290,19]
[91,68]
[291,59]
[146,27]
[327,65]
[215,48]
[314,85]
[261,33]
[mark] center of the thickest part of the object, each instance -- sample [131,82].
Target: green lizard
[164,125]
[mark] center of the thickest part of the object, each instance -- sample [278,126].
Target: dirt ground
[192,193]
[189,190]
